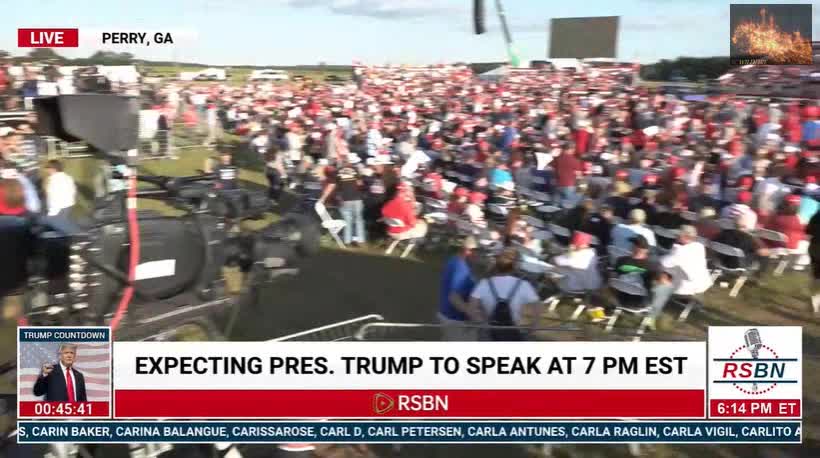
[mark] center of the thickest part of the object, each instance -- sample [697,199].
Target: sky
[416,32]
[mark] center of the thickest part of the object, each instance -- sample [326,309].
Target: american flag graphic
[92,360]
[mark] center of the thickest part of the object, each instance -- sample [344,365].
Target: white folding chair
[740,273]
[398,224]
[689,216]
[333,226]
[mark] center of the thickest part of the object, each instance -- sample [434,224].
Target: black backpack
[502,316]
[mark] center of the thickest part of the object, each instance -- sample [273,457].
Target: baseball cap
[581,238]
[792,199]
[477,197]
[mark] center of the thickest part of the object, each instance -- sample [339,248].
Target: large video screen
[583,37]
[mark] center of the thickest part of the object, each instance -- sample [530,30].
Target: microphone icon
[753,343]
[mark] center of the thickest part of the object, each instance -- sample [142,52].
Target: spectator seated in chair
[686,264]
[741,237]
[579,265]
[639,269]
[741,208]
[623,233]
[401,208]
[788,223]
[707,225]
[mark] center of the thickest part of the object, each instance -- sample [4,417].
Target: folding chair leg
[337,239]
[392,247]
[407,249]
[715,275]
[686,311]
[642,327]
[635,449]
[578,311]
[546,450]
[781,267]
[738,284]
[553,304]
[611,322]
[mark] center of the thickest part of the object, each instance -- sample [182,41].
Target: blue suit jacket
[53,386]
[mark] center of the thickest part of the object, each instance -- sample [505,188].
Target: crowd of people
[641,182]
[578,171]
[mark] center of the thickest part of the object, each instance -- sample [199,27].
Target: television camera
[145,273]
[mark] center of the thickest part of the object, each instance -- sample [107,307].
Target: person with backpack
[504,300]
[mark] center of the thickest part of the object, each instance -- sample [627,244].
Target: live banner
[369,380]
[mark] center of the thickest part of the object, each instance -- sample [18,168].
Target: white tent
[495,74]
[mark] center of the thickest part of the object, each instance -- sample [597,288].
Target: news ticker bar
[711,432]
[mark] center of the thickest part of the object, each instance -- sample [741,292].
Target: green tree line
[691,68]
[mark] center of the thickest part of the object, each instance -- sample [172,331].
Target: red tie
[69,385]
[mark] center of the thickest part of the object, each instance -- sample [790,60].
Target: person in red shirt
[567,168]
[788,223]
[399,214]
[12,198]
[458,201]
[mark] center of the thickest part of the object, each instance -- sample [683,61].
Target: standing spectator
[457,283]
[504,294]
[567,169]
[275,173]
[61,191]
[295,142]
[813,230]
[374,140]
[348,183]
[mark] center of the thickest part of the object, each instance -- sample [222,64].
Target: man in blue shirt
[456,285]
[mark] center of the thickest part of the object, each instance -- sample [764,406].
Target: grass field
[340,284]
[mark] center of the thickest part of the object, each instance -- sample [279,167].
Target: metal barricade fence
[559,330]
[334,332]
[387,331]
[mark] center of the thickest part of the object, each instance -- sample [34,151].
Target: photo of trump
[64,372]
[61,381]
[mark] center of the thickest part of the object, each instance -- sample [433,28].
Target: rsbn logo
[754,367]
